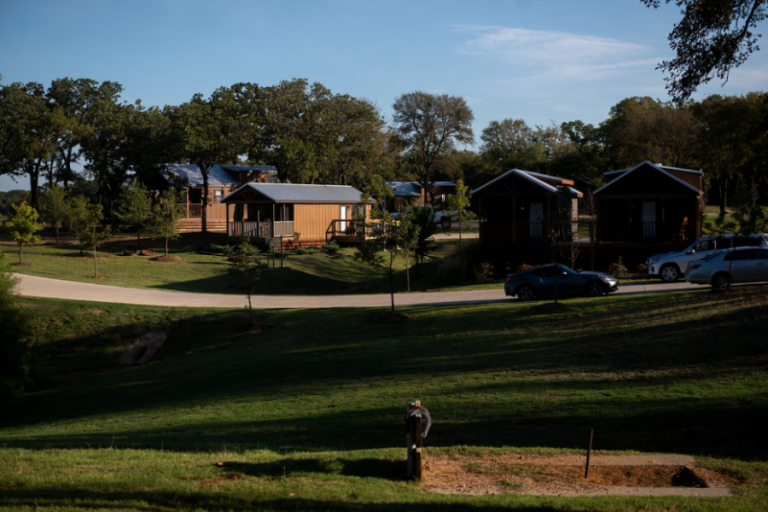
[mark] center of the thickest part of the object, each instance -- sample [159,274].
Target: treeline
[313,135]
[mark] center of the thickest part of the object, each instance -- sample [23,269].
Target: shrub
[641,269]
[331,247]
[484,272]
[15,351]
[618,269]
[523,267]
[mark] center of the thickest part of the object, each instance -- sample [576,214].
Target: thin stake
[589,452]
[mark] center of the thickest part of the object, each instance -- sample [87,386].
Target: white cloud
[550,55]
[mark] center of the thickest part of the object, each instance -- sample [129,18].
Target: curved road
[33,286]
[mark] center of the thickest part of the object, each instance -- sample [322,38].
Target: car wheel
[594,289]
[721,281]
[669,273]
[526,292]
[445,222]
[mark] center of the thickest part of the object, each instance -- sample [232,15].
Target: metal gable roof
[658,168]
[291,192]
[246,168]
[217,176]
[404,188]
[530,176]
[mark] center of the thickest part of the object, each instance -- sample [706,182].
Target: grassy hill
[306,414]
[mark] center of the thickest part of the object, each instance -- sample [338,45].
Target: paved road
[33,286]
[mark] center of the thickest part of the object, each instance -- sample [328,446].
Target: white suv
[672,265]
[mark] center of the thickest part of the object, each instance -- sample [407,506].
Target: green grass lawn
[307,413]
[316,274]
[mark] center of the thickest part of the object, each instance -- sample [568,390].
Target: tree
[429,126]
[713,37]
[409,234]
[23,226]
[135,210]
[424,218]
[55,207]
[560,233]
[247,268]
[15,351]
[458,205]
[92,234]
[209,134]
[77,217]
[166,216]
[386,239]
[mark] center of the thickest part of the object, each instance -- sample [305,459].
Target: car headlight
[653,261]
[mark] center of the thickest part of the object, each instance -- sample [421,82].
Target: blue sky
[539,60]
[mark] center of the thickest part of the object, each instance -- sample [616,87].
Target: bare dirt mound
[564,475]
[166,259]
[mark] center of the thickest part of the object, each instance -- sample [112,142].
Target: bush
[15,351]
[618,269]
[484,272]
[523,267]
[641,269]
[331,247]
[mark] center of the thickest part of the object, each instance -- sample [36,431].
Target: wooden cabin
[409,193]
[519,208]
[222,180]
[302,215]
[649,208]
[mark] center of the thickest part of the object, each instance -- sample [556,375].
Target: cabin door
[343,215]
[649,219]
[536,219]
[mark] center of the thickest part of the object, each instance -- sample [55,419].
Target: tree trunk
[166,247]
[21,246]
[250,309]
[204,217]
[407,274]
[56,230]
[392,288]
[34,174]
[95,264]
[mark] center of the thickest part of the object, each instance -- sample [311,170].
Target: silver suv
[672,265]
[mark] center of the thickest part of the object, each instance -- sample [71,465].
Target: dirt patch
[147,252]
[166,259]
[387,319]
[564,475]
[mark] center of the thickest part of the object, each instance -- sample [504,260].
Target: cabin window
[284,213]
[218,194]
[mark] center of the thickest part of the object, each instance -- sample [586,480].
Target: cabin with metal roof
[222,180]
[302,215]
[519,208]
[650,207]
[409,193]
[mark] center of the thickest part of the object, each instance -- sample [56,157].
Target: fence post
[413,441]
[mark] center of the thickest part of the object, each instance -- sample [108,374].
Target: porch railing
[350,228]
[522,232]
[254,229]
[640,231]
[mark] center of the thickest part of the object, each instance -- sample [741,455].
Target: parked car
[540,282]
[669,267]
[738,265]
[441,217]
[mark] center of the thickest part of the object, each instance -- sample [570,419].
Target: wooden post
[413,442]
[589,452]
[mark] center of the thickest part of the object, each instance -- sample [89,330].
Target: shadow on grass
[148,500]
[646,375]
[363,468]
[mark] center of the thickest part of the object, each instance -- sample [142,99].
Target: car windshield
[567,270]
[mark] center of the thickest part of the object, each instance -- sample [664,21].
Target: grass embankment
[307,414]
[316,274]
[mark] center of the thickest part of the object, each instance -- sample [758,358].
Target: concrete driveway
[33,286]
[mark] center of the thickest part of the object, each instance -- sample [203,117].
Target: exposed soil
[166,259]
[564,474]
